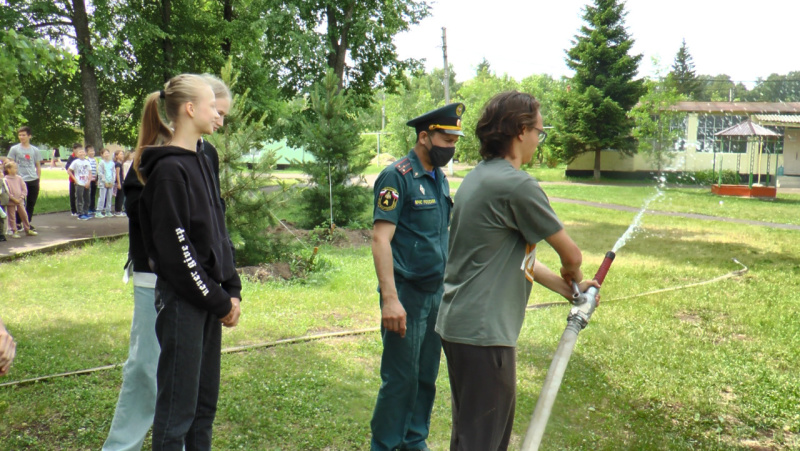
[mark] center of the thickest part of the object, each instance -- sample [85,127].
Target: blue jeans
[409,367]
[188,373]
[137,397]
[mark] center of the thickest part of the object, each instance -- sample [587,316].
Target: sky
[524,37]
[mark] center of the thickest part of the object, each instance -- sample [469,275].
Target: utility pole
[446,67]
[446,83]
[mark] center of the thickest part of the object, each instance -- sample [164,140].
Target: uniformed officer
[411,217]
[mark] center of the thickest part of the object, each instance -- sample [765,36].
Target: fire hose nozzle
[583,307]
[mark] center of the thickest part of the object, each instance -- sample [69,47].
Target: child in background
[3,202]
[93,191]
[119,201]
[126,166]
[17,191]
[56,157]
[73,208]
[105,181]
[81,171]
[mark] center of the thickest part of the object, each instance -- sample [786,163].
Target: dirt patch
[300,266]
[688,317]
[267,272]
[771,440]
[338,237]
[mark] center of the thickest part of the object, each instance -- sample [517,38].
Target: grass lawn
[709,367]
[784,209]
[54,174]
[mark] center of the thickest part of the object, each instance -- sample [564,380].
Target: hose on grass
[346,333]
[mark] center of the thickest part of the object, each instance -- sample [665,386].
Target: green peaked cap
[446,119]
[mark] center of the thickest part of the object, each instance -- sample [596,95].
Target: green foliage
[546,90]
[590,122]
[244,181]
[720,88]
[331,135]
[474,94]
[777,88]
[683,78]
[24,60]
[592,112]
[408,103]
[706,177]
[653,117]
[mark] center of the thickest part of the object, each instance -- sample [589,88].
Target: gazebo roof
[747,128]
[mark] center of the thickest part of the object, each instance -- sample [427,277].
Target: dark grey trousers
[483,383]
[188,373]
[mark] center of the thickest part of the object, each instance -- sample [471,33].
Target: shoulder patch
[387,198]
[404,166]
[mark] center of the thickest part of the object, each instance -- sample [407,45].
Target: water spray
[583,305]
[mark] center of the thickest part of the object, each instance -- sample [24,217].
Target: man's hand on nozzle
[393,315]
[232,318]
[583,286]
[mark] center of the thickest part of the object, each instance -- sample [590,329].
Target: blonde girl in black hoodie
[197,288]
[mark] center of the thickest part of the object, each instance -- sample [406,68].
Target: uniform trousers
[409,367]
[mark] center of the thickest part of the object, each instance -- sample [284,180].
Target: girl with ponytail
[182,260]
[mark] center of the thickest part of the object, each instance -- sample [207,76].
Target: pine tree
[683,77]
[331,135]
[244,179]
[593,110]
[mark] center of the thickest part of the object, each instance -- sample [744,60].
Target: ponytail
[152,130]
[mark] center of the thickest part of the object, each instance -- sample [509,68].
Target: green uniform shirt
[419,205]
[500,215]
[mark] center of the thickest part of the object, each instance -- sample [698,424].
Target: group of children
[88,176]
[13,192]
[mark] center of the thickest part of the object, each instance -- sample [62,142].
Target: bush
[704,178]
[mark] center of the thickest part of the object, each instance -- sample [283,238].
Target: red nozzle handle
[600,276]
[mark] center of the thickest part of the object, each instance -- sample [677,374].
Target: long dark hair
[504,117]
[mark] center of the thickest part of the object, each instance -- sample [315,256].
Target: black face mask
[439,155]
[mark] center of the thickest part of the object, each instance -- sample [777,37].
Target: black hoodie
[183,228]
[137,254]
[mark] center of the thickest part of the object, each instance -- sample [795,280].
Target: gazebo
[753,137]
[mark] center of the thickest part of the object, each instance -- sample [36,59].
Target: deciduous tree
[654,119]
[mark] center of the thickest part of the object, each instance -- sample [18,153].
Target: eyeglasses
[542,134]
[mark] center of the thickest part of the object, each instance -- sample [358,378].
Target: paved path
[62,230]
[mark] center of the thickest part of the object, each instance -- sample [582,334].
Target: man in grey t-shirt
[500,215]
[28,158]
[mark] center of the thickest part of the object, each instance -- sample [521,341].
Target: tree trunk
[597,154]
[93,131]
[166,45]
[227,16]
[338,40]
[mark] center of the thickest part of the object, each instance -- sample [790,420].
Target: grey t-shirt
[500,214]
[26,158]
